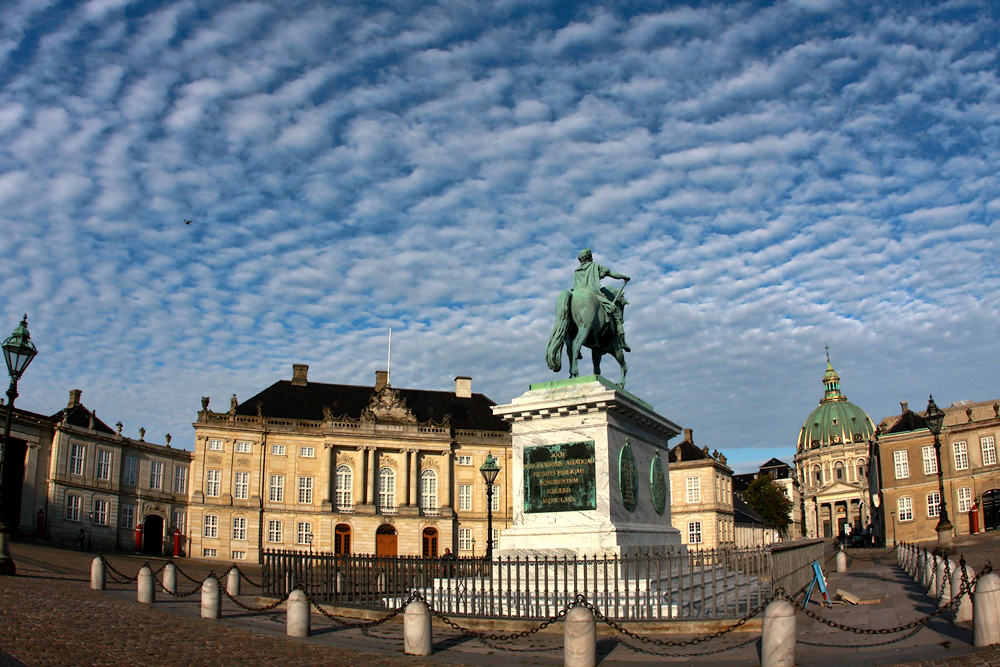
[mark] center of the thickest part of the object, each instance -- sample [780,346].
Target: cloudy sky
[775,178]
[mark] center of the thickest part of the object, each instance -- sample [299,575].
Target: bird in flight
[187,222]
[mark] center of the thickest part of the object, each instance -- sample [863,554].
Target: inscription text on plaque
[560,478]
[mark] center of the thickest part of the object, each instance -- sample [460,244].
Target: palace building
[701,503]
[348,469]
[831,461]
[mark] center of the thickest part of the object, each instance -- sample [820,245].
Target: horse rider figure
[588,277]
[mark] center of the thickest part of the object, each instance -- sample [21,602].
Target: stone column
[329,473]
[414,459]
[444,488]
[371,476]
[363,475]
[408,472]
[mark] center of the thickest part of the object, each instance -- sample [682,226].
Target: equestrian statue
[590,315]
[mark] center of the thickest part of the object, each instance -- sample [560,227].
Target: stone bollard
[942,581]
[298,616]
[930,575]
[777,642]
[579,638]
[211,598]
[97,574]
[986,611]
[841,560]
[146,585]
[170,578]
[233,581]
[918,567]
[417,633]
[963,612]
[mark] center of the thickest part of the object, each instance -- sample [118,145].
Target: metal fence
[711,584]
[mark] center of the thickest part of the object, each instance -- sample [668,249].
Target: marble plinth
[623,520]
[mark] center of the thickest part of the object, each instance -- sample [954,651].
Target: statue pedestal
[590,472]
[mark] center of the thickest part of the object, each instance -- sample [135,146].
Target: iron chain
[366,624]
[125,578]
[514,635]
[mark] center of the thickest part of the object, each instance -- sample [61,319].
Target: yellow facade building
[701,496]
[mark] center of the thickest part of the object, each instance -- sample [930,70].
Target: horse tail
[553,353]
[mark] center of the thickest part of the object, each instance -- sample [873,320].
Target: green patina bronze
[560,478]
[658,485]
[628,477]
[589,315]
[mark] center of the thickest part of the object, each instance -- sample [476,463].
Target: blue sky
[774,177]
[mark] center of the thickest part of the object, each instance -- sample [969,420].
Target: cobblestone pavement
[49,616]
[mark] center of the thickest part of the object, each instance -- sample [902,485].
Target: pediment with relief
[387,405]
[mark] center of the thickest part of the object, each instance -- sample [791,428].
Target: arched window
[428,490]
[861,469]
[387,490]
[839,471]
[818,475]
[343,493]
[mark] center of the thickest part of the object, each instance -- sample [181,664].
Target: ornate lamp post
[18,351]
[935,420]
[489,470]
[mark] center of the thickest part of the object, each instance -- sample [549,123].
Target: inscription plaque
[658,485]
[560,478]
[628,477]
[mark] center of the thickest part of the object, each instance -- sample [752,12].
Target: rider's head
[585,255]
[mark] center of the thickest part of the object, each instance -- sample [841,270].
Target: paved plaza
[49,616]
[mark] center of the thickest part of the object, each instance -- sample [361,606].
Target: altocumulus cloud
[775,177]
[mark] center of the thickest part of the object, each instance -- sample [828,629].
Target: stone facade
[701,496]
[908,466]
[347,469]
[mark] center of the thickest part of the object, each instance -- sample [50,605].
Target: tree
[767,498]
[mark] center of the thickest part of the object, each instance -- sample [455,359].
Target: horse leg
[596,355]
[620,356]
[574,368]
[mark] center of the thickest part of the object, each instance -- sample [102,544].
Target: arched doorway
[991,509]
[342,539]
[152,535]
[385,540]
[430,542]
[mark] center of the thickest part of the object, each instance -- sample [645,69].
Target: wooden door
[991,509]
[385,541]
[342,540]
[430,543]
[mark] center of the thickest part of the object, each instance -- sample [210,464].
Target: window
[902,464]
[308,452]
[239,528]
[211,526]
[989,450]
[274,531]
[277,489]
[495,501]
[128,516]
[76,460]
[861,469]
[101,512]
[72,508]
[428,490]
[213,482]
[239,555]
[304,534]
[179,521]
[180,479]
[156,475]
[965,499]
[839,470]
[694,532]
[244,448]
[930,460]
[694,491]
[343,488]
[278,450]
[103,464]
[209,553]
[819,475]
[131,471]
[905,507]
[496,539]
[464,460]
[464,539]
[961,456]
[241,485]
[215,445]
[387,489]
[306,490]
[934,504]
[465,497]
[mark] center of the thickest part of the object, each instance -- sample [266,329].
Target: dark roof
[775,463]
[908,421]
[743,513]
[686,451]
[287,401]
[80,416]
[742,482]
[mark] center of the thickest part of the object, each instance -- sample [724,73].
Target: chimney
[904,406]
[299,374]
[463,387]
[74,398]
[381,379]
[688,437]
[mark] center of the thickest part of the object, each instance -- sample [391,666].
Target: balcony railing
[388,510]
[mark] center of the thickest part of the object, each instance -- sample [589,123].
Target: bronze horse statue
[581,321]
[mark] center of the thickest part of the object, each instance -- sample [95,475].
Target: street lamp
[489,470]
[934,419]
[18,351]
[893,513]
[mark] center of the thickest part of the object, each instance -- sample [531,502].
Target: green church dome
[836,421]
